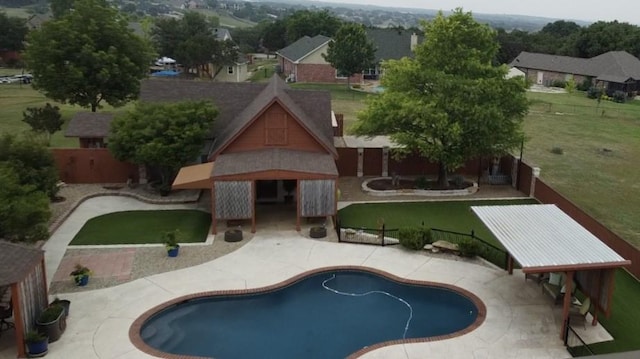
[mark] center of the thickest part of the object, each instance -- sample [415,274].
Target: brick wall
[321,73]
[549,77]
[92,165]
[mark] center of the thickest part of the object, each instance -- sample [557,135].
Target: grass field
[140,227]
[597,169]
[15,12]
[226,20]
[451,216]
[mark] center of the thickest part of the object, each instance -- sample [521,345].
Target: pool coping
[135,328]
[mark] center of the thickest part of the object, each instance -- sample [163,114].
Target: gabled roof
[16,261]
[303,47]
[239,103]
[222,34]
[391,43]
[89,124]
[612,66]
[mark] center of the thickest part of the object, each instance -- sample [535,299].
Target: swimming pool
[327,313]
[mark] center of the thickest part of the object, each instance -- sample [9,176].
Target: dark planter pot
[318,232]
[38,349]
[233,235]
[53,329]
[173,252]
[81,281]
[65,304]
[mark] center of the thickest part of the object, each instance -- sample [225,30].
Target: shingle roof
[557,63]
[89,124]
[240,103]
[616,66]
[303,47]
[274,159]
[391,43]
[16,261]
[612,66]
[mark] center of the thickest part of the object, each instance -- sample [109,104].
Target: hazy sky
[589,10]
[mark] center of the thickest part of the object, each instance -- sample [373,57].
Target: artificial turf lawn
[140,227]
[453,216]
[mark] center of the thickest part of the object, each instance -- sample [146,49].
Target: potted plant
[37,344]
[171,243]
[64,303]
[81,275]
[51,322]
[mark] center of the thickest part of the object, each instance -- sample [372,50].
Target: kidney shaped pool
[327,313]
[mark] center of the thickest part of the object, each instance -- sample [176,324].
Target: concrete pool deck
[521,322]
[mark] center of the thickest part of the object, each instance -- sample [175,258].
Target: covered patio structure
[544,239]
[24,285]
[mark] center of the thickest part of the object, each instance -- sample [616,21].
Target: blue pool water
[325,315]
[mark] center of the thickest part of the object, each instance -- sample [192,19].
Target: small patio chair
[579,313]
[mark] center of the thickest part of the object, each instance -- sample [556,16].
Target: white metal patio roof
[541,237]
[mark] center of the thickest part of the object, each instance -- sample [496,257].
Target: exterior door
[540,78]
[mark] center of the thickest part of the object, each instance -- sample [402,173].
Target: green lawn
[140,227]
[15,98]
[451,216]
[602,182]
[226,19]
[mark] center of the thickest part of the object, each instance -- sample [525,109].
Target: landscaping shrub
[421,182]
[557,150]
[558,83]
[619,96]
[585,85]
[469,247]
[414,238]
[594,92]
[458,180]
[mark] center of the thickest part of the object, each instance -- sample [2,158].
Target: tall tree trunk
[443,181]
[94,107]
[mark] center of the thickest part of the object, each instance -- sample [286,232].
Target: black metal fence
[384,236]
[575,345]
[376,236]
[486,250]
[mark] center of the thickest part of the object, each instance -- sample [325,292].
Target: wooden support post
[253,215]
[298,204]
[18,321]
[510,264]
[566,302]
[214,221]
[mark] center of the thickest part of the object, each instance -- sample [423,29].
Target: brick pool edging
[136,339]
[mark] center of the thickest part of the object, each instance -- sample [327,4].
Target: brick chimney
[414,41]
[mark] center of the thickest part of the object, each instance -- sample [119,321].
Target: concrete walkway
[521,322]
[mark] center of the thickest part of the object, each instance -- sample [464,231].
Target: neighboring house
[91,128]
[390,44]
[612,71]
[515,72]
[233,72]
[265,135]
[302,61]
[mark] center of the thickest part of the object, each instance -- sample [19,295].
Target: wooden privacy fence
[92,165]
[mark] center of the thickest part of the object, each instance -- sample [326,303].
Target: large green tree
[311,23]
[350,51]
[449,103]
[87,56]
[192,42]
[601,37]
[12,32]
[165,136]
[24,211]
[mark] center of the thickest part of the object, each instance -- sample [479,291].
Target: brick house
[302,61]
[269,144]
[612,71]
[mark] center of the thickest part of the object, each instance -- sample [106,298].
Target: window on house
[230,70]
[275,129]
